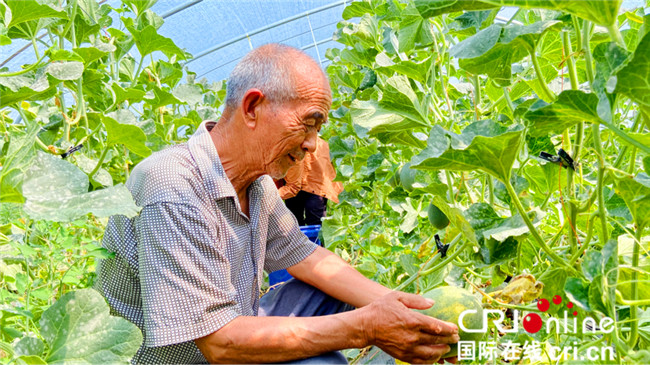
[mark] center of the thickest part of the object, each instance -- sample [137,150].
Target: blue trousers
[297,299]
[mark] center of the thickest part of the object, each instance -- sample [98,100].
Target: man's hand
[392,325]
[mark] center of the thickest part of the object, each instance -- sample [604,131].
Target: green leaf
[601,12]
[636,193]
[129,135]
[148,41]
[57,190]
[130,94]
[26,10]
[67,70]
[570,108]
[30,360]
[189,93]
[29,86]
[372,118]
[483,145]
[29,346]
[471,19]
[15,163]
[160,98]
[577,291]
[632,80]
[90,54]
[400,98]
[411,69]
[79,329]
[431,8]
[493,50]
[646,164]
[356,9]
[478,44]
[609,59]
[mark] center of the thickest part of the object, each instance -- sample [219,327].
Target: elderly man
[187,269]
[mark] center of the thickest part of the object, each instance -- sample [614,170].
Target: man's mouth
[292,158]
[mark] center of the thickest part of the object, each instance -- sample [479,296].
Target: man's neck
[240,162]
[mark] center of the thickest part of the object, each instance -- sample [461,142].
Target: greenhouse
[325,181]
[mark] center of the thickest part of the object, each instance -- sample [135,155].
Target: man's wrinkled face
[291,128]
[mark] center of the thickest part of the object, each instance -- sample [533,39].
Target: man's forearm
[280,339]
[329,273]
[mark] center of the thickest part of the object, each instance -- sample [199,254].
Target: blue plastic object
[281,276]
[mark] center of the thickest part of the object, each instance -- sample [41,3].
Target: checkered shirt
[191,261]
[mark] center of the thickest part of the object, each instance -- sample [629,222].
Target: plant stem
[477,96]
[586,35]
[35,47]
[576,28]
[506,95]
[577,145]
[549,95]
[615,34]
[626,137]
[450,187]
[425,269]
[634,330]
[491,190]
[573,77]
[33,66]
[632,166]
[100,162]
[533,230]
[595,132]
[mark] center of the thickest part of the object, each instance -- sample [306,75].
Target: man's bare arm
[387,322]
[335,277]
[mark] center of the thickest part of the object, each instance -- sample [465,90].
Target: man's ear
[250,103]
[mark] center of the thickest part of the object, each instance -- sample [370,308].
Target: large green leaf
[636,193]
[129,135]
[32,85]
[633,80]
[570,108]
[57,190]
[483,145]
[431,8]
[130,94]
[79,329]
[160,98]
[66,70]
[401,99]
[148,41]
[413,29]
[15,163]
[602,12]
[26,10]
[493,50]
[189,93]
[497,236]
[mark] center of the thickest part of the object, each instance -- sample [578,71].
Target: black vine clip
[71,151]
[441,248]
[563,159]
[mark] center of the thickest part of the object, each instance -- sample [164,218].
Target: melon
[437,218]
[407,177]
[450,303]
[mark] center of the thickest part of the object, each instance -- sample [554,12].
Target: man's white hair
[267,68]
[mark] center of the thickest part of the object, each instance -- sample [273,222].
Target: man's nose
[310,143]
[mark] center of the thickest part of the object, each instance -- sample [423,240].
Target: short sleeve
[185,281]
[286,245]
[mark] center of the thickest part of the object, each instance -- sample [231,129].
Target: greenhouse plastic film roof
[220,32]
